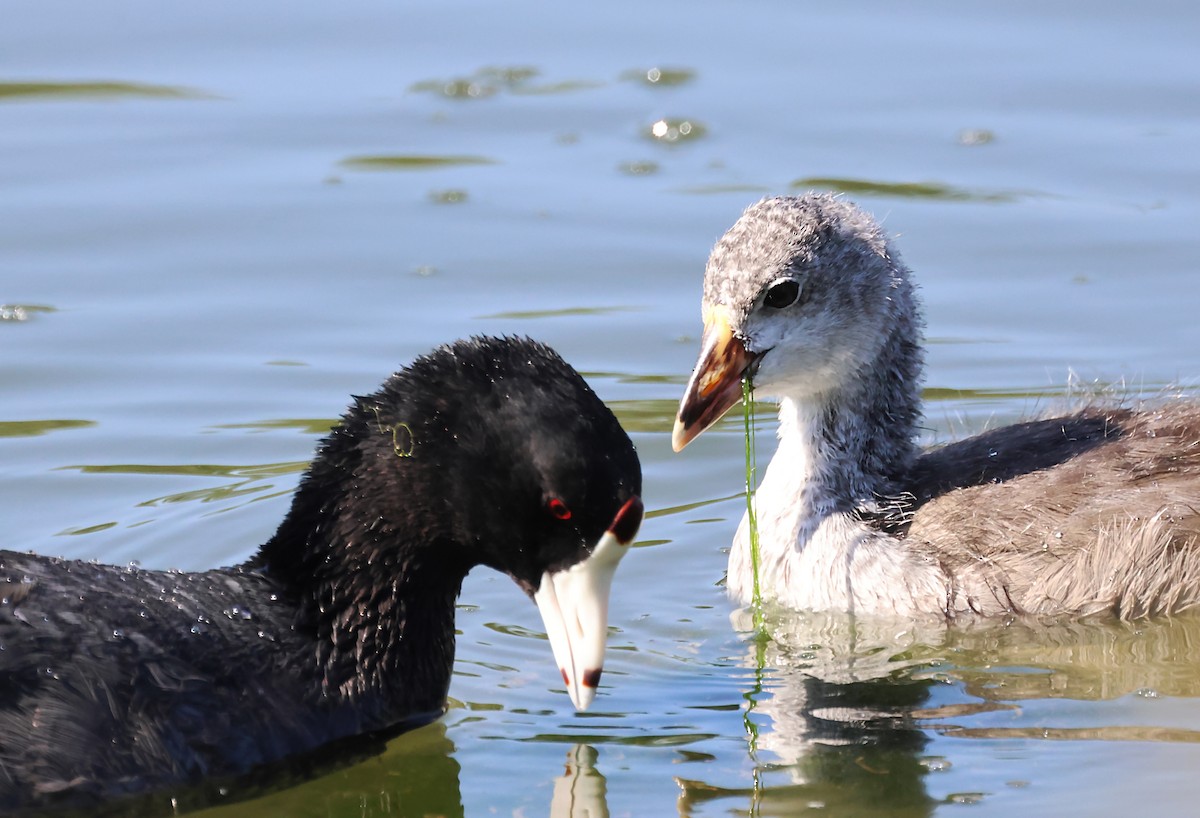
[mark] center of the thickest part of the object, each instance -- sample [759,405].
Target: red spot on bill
[629,518]
[591,678]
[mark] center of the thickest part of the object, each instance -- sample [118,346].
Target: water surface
[219,221]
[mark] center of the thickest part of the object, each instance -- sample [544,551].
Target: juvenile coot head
[804,294]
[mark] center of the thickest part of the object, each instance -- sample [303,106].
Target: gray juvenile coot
[1096,511]
[116,681]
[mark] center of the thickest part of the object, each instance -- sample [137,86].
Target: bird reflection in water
[841,711]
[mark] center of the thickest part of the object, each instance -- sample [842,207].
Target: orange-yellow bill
[716,383]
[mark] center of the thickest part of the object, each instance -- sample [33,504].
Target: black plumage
[118,681]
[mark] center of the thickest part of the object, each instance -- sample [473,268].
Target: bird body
[144,681]
[948,540]
[123,681]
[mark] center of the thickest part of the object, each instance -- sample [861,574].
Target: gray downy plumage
[1091,512]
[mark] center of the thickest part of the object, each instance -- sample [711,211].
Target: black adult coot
[1095,511]
[115,681]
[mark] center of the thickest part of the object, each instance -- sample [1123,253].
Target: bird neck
[375,596]
[848,447]
[384,630]
[842,454]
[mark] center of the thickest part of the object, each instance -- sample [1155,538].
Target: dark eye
[782,294]
[558,508]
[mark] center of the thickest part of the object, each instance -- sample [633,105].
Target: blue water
[218,221]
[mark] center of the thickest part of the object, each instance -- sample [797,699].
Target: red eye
[558,508]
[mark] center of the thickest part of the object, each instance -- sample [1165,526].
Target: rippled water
[218,221]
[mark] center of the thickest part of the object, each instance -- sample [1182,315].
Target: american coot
[1095,511]
[116,681]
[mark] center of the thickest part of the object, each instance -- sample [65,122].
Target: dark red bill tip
[591,678]
[629,518]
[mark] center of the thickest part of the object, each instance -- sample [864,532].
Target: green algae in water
[751,516]
[761,637]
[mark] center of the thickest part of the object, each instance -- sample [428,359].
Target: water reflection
[581,791]
[909,190]
[22,312]
[98,90]
[34,428]
[416,775]
[564,312]
[393,162]
[832,722]
[841,711]
[660,76]
[675,131]
[489,81]
[638,168]
[254,482]
[1087,660]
